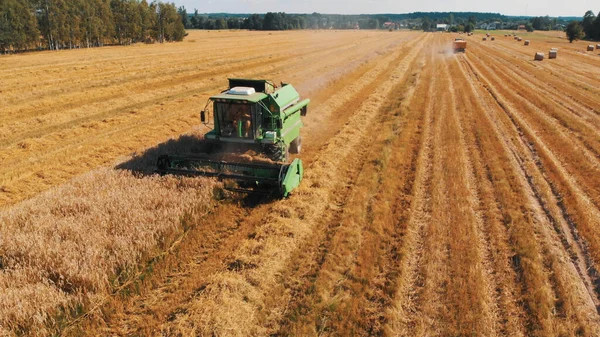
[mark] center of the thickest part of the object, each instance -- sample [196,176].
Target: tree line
[588,28]
[65,24]
[280,21]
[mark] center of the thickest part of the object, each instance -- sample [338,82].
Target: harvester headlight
[270,135]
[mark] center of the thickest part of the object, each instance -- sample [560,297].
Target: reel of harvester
[266,178]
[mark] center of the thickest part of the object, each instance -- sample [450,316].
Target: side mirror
[203,116]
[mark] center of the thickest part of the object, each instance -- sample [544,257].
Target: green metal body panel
[292,178]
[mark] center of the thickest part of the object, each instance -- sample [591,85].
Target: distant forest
[284,21]
[65,24]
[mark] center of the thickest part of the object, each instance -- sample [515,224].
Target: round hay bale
[493,38]
[597,46]
[484,38]
[526,42]
[516,37]
[519,39]
[538,56]
[590,47]
[552,53]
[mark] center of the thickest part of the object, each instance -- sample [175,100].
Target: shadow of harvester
[144,163]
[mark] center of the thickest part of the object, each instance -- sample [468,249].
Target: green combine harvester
[249,115]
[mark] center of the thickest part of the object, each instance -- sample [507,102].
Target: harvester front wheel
[277,152]
[296,145]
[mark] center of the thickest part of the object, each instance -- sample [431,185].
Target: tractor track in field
[580,171]
[573,249]
[572,100]
[544,76]
[558,119]
[570,72]
[503,275]
[484,285]
[531,147]
[261,211]
[323,273]
[402,317]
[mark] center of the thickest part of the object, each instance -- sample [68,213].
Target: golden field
[444,194]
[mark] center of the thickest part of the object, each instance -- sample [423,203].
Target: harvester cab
[250,115]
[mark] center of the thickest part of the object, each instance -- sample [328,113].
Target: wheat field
[444,194]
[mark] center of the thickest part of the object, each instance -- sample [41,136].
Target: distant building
[521,27]
[441,27]
[493,26]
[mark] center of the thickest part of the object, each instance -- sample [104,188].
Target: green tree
[18,26]
[596,28]
[529,27]
[168,26]
[588,23]
[220,24]
[426,25]
[574,31]
[184,17]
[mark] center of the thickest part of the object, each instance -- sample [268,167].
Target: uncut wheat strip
[578,295]
[76,237]
[273,243]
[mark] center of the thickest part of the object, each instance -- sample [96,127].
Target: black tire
[296,145]
[277,152]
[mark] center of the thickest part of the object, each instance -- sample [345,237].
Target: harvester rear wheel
[296,145]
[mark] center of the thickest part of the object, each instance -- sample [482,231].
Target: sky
[506,7]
